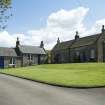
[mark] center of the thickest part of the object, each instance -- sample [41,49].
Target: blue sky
[32,14]
[36,20]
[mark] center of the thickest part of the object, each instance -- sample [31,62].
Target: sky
[37,20]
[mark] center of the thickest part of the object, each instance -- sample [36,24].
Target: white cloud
[71,19]
[6,39]
[96,28]
[62,23]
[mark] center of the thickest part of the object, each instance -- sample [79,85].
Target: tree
[5,14]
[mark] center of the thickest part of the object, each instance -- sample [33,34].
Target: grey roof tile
[85,41]
[7,52]
[31,49]
[77,43]
[63,45]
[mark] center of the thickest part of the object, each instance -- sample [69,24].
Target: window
[12,60]
[92,55]
[77,54]
[30,57]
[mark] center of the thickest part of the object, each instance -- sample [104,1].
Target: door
[1,62]
[35,59]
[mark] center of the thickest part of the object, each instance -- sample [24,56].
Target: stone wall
[60,56]
[83,54]
[7,62]
[101,48]
[26,61]
[18,61]
[70,55]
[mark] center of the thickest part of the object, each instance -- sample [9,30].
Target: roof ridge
[81,38]
[29,46]
[7,47]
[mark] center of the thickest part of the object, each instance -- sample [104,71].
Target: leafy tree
[5,13]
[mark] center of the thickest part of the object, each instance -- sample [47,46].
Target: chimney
[77,35]
[17,42]
[58,41]
[41,44]
[103,29]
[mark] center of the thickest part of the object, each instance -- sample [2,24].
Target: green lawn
[84,74]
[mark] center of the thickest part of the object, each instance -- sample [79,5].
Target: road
[16,91]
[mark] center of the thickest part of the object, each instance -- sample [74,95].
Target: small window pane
[92,53]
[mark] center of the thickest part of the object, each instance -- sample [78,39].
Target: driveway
[16,91]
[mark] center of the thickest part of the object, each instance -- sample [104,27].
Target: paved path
[16,91]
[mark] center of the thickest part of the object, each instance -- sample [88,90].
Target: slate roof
[7,52]
[85,41]
[63,45]
[88,40]
[32,49]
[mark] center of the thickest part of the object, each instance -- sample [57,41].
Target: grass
[79,75]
